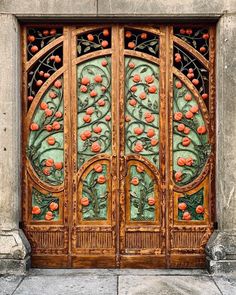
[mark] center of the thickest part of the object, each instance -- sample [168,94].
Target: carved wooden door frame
[178,208]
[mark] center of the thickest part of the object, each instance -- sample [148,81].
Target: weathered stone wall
[14,248]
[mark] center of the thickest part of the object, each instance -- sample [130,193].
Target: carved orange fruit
[194,109]
[106,32]
[43,105]
[139,168]
[53,206]
[87,134]
[143,36]
[98,168]
[84,201]
[182,206]
[133,88]
[49,162]
[204,95]
[138,147]
[101,102]
[48,127]
[131,65]
[101,179]
[181,127]
[150,132]
[53,32]
[104,43]
[39,83]
[95,147]
[186,141]
[131,45]
[189,161]
[181,161]
[128,34]
[89,111]
[108,118]
[187,216]
[98,79]
[142,95]
[199,209]
[151,201]
[188,97]
[31,38]
[133,102]
[48,112]
[36,210]
[58,165]
[34,126]
[138,130]
[58,114]
[149,79]
[56,126]
[135,181]
[93,93]
[57,59]
[90,37]
[57,84]
[178,116]
[136,78]
[49,215]
[201,130]
[51,140]
[178,84]
[189,115]
[85,81]
[52,94]
[154,141]
[195,82]
[34,49]
[97,129]
[104,63]
[30,98]
[152,89]
[47,171]
[87,119]
[186,130]
[205,36]
[178,176]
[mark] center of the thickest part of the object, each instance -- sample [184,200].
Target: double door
[118,145]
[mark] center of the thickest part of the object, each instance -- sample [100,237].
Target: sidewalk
[109,282]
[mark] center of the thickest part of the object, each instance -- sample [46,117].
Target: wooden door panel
[93,232]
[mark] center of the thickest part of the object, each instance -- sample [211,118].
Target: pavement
[118,282]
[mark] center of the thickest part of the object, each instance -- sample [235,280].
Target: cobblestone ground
[109,282]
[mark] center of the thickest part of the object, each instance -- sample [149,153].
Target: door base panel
[187,261]
[92,261]
[49,261]
[145,261]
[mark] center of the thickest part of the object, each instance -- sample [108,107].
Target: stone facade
[14,248]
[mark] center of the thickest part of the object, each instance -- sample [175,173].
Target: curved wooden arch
[146,28]
[146,162]
[197,96]
[193,51]
[42,184]
[42,52]
[39,95]
[91,55]
[92,160]
[142,55]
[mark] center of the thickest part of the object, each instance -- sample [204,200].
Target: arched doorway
[118,145]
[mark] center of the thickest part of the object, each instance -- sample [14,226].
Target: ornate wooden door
[118,145]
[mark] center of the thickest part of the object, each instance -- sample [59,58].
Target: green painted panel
[94,108]
[191,147]
[190,207]
[44,206]
[142,200]
[45,148]
[95,193]
[142,109]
